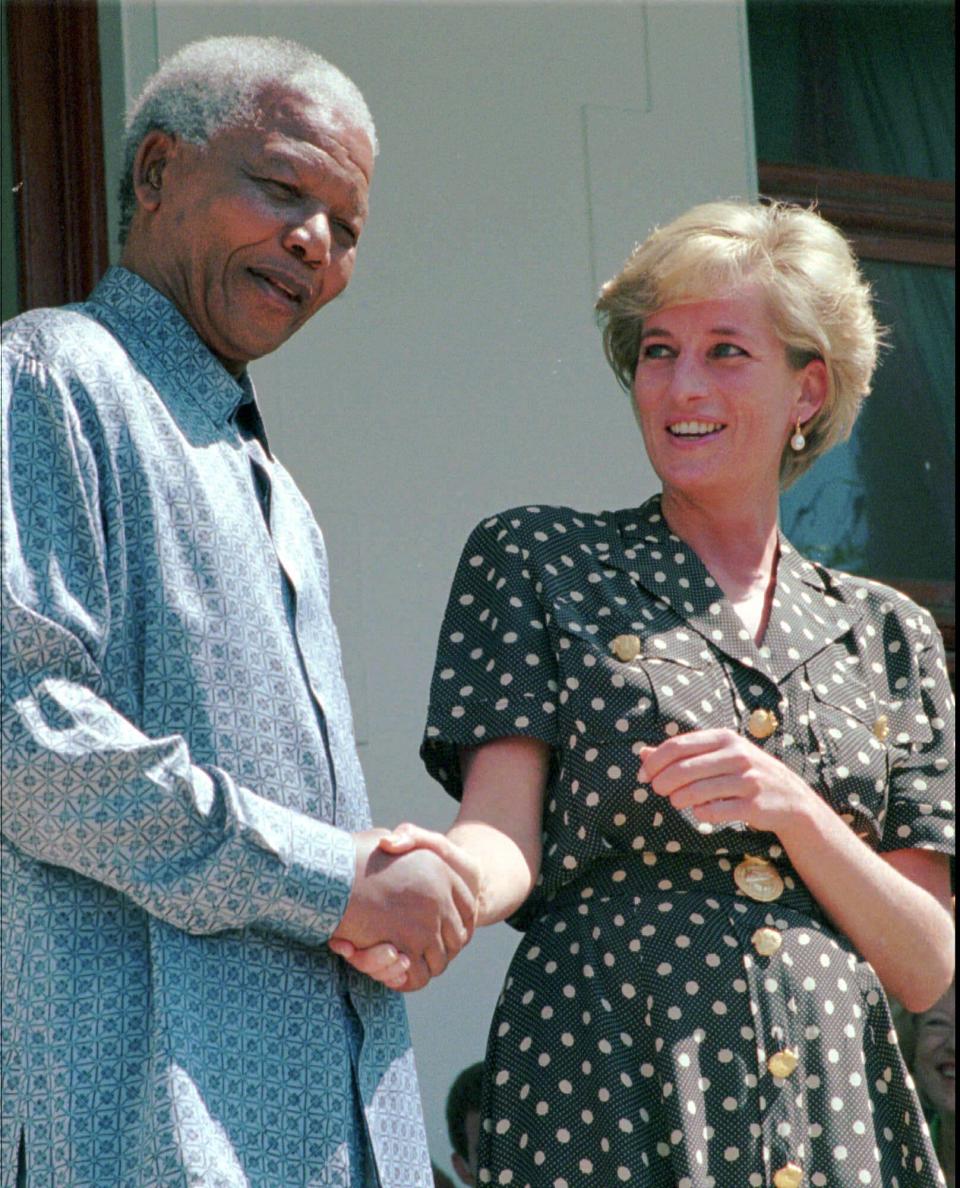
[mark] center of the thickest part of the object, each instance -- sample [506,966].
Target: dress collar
[808,611]
[191,381]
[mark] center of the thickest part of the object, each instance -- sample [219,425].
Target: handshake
[414,906]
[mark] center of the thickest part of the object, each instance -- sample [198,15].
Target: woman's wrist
[503,877]
[809,822]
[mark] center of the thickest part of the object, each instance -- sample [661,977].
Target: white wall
[525,148]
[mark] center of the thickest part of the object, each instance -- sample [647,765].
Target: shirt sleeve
[496,672]
[921,805]
[82,786]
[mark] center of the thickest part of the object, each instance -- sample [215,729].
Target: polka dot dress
[680,1013]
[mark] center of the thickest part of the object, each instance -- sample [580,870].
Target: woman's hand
[383,962]
[408,836]
[722,777]
[893,906]
[493,848]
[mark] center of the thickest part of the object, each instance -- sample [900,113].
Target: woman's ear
[813,390]
[155,151]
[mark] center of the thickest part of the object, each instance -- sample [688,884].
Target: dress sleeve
[496,672]
[83,787]
[921,806]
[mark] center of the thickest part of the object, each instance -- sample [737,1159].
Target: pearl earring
[798,441]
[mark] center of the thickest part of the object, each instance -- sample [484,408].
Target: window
[854,108]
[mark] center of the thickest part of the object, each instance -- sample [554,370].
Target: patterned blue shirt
[180,783]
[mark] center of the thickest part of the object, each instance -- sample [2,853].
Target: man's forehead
[304,131]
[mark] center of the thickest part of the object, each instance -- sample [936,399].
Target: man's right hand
[414,901]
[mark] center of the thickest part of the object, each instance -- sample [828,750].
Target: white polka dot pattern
[637,1019]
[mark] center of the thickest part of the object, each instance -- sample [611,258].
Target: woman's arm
[501,820]
[494,843]
[894,907]
[498,827]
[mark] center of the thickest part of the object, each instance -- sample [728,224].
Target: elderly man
[185,825]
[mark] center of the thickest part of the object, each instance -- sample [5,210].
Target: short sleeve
[495,672]
[921,806]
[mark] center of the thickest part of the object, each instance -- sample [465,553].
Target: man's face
[935,1061]
[467,1168]
[250,234]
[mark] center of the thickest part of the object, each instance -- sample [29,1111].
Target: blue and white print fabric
[180,784]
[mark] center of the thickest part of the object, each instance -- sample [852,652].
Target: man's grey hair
[216,83]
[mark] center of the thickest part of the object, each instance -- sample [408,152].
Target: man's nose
[309,239]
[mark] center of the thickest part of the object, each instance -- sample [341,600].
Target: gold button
[881,728]
[758,879]
[789,1176]
[627,647]
[762,723]
[782,1064]
[767,941]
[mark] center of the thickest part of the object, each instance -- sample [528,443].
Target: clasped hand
[721,776]
[412,909]
[414,905]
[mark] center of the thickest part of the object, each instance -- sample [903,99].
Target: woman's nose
[688,376]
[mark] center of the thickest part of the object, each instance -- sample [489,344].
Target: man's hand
[413,904]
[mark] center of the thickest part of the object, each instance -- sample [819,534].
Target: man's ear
[155,150]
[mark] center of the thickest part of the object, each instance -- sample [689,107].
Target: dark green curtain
[870,87]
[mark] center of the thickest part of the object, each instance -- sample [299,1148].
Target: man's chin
[235,356]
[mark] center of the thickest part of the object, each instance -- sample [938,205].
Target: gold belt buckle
[758,878]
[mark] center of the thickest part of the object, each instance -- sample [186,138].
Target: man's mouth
[292,292]
[694,428]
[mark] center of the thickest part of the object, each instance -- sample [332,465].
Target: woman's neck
[738,543]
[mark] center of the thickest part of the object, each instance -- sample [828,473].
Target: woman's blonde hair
[819,301]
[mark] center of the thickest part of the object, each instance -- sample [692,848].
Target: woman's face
[715,397]
[935,1062]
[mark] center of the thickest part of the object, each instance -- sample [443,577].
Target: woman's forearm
[500,820]
[507,873]
[894,908]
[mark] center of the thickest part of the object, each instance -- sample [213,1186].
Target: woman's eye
[727,350]
[656,350]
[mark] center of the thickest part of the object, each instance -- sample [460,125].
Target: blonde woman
[709,778]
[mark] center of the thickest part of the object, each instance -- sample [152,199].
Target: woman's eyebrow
[660,332]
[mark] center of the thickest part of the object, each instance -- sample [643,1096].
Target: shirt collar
[191,381]
[809,610]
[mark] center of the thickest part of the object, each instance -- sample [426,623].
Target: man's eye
[934,1025]
[283,189]
[346,233]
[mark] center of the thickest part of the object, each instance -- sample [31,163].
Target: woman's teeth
[694,428]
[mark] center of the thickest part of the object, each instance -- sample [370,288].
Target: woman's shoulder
[878,600]
[535,525]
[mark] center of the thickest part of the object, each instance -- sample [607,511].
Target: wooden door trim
[905,219]
[57,142]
